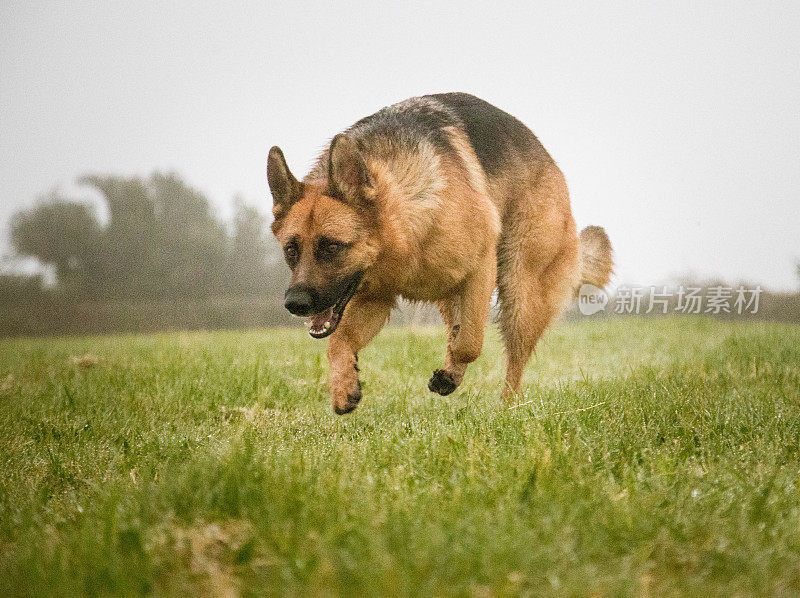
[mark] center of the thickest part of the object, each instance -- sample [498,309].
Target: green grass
[212,463]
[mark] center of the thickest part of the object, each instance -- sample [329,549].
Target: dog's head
[328,233]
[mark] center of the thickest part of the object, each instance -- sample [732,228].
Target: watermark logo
[591,299]
[713,300]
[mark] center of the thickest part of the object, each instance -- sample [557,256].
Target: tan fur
[596,261]
[434,227]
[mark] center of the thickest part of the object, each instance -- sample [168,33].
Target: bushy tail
[596,257]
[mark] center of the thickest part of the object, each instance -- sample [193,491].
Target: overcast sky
[677,126]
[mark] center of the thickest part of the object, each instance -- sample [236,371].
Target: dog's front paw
[348,402]
[442,382]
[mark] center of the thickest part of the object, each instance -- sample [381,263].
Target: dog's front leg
[465,315]
[361,321]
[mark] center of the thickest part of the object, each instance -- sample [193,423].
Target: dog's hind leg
[465,315]
[522,323]
[361,321]
[538,261]
[529,302]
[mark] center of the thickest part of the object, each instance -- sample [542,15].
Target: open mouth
[325,322]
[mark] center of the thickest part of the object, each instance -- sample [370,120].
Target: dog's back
[501,143]
[498,138]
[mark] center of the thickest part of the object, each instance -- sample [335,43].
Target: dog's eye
[329,249]
[292,254]
[333,247]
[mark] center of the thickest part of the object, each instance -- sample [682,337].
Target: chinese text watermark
[662,299]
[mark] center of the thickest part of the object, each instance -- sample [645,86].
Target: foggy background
[676,125]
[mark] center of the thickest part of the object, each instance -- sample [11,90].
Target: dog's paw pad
[352,402]
[442,382]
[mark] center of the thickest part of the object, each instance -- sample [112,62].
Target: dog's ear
[286,190]
[348,177]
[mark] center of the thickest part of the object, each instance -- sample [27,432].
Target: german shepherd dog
[440,198]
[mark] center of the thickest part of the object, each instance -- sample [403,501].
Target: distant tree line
[161,241]
[157,257]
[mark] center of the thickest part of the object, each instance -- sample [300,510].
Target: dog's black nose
[299,301]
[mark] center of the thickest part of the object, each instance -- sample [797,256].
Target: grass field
[653,457]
